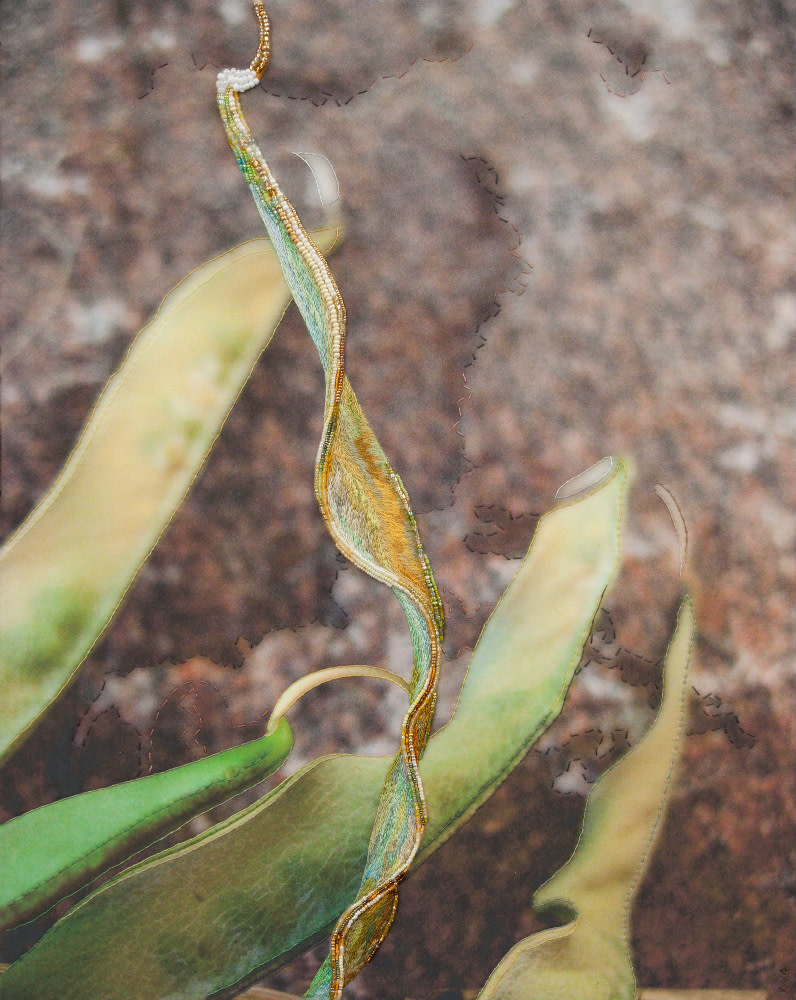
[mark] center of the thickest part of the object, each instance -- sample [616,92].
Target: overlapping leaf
[589,957]
[51,852]
[65,571]
[244,898]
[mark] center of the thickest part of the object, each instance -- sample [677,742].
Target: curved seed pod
[367,512]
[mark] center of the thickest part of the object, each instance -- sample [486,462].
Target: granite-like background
[541,267]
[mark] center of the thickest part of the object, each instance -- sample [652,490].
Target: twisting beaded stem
[366,509]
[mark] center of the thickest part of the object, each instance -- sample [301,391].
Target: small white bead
[237,79]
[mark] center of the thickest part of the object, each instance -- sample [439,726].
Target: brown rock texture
[569,233]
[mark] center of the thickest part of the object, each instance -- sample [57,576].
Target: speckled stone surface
[569,233]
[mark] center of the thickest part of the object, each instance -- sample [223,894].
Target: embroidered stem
[367,512]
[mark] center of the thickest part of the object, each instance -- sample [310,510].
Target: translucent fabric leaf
[589,957]
[243,899]
[67,568]
[367,512]
[52,851]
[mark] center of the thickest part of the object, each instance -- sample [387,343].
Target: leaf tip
[590,479]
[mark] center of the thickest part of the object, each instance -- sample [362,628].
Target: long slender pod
[367,511]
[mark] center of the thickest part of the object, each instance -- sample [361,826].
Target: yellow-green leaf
[589,957]
[67,568]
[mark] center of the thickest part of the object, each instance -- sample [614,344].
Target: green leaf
[212,915]
[589,957]
[67,568]
[51,852]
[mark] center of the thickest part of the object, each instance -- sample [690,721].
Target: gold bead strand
[263,55]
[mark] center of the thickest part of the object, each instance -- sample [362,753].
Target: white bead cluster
[238,79]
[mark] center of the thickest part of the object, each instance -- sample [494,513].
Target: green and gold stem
[367,512]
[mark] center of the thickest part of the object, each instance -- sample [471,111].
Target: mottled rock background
[569,234]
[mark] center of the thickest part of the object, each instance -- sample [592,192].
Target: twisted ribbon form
[366,509]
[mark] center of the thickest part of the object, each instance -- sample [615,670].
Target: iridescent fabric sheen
[367,512]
